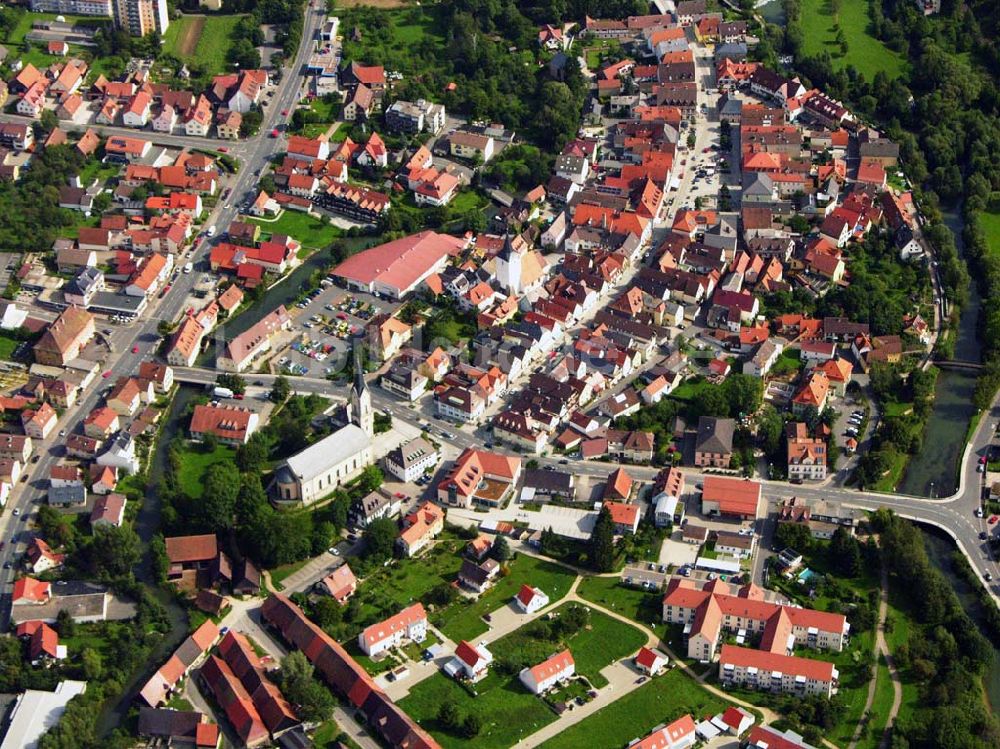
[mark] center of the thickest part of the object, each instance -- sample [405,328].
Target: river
[933,472]
[147,524]
[940,548]
[286,292]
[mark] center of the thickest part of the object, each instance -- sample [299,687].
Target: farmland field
[201,41]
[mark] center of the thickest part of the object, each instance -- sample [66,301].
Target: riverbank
[933,470]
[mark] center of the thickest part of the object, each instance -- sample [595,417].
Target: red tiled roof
[192,548]
[735,496]
[30,589]
[552,666]
[810,668]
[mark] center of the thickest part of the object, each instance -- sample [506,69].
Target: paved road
[954,514]
[165,139]
[122,363]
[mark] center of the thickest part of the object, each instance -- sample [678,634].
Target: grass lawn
[604,641]
[278,574]
[871,736]
[507,711]
[390,34]
[991,226]
[789,361]
[311,231]
[662,700]
[195,462]
[689,390]
[638,605]
[467,200]
[896,409]
[326,736]
[894,475]
[463,621]
[96,169]
[7,346]
[864,51]
[389,589]
[177,702]
[213,44]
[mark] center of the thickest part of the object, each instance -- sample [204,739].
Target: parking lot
[325,324]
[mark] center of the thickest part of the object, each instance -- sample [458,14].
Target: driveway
[676,552]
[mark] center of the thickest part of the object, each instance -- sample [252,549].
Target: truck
[220,392]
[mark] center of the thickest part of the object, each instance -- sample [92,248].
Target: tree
[112,552]
[65,624]
[371,479]
[92,664]
[49,121]
[233,381]
[501,549]
[602,542]
[250,123]
[471,726]
[449,715]
[252,456]
[280,390]
[301,688]
[795,535]
[160,560]
[322,536]
[380,537]
[327,612]
[845,551]
[217,507]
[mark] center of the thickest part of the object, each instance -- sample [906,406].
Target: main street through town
[956,515]
[253,154]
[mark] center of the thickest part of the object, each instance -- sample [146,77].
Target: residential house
[420,527]
[530,599]
[554,670]
[409,624]
[714,443]
[340,584]
[479,476]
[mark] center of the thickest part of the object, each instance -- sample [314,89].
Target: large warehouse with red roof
[396,268]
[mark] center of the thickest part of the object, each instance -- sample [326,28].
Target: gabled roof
[192,548]
[552,666]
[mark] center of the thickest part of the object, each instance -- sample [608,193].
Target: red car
[223,149]
[993,519]
[982,459]
[135,349]
[274,133]
[106,375]
[284,112]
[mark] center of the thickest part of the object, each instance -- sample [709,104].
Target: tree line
[945,654]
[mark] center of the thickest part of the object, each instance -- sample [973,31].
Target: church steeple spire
[361,398]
